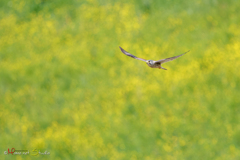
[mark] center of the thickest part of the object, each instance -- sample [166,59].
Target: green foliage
[66,88]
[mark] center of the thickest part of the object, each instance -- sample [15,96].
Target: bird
[152,63]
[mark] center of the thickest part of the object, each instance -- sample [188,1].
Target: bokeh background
[66,88]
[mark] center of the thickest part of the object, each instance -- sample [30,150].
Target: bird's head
[150,62]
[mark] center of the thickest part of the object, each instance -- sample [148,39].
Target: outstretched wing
[169,59]
[130,55]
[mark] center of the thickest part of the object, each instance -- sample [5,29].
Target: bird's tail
[163,68]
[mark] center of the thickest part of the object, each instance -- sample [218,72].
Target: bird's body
[152,63]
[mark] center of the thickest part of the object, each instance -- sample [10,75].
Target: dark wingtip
[121,49]
[186,52]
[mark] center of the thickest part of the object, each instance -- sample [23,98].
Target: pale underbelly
[154,66]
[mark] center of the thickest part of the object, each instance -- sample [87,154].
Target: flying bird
[152,63]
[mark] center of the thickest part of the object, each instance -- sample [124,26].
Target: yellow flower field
[68,92]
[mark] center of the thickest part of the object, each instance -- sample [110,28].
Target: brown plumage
[151,63]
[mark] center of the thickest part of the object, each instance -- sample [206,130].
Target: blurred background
[66,88]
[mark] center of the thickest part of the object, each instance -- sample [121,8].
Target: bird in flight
[152,63]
